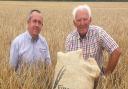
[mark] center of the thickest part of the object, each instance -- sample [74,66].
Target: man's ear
[28,21]
[74,22]
[90,19]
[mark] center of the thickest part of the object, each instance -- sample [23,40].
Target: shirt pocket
[43,52]
[92,48]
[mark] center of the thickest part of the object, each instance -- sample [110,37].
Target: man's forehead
[35,14]
[82,13]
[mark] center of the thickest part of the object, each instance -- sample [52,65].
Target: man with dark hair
[30,47]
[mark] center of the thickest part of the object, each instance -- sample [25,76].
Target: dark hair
[34,10]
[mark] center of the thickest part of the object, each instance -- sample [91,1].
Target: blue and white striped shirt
[24,49]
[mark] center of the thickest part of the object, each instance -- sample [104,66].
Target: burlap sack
[73,72]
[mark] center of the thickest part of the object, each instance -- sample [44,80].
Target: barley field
[112,16]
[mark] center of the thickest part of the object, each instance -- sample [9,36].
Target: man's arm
[113,60]
[113,49]
[14,56]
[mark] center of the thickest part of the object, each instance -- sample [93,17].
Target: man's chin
[35,32]
[82,30]
[35,35]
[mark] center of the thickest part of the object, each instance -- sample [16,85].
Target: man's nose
[37,24]
[82,22]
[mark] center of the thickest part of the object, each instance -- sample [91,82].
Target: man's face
[82,21]
[35,24]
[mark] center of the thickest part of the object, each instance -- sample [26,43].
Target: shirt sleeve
[14,55]
[107,42]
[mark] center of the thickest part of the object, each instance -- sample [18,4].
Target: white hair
[82,8]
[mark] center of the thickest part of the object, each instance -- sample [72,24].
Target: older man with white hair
[92,40]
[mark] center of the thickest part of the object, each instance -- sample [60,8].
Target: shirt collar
[30,37]
[86,35]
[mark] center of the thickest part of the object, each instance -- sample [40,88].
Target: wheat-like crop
[57,24]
